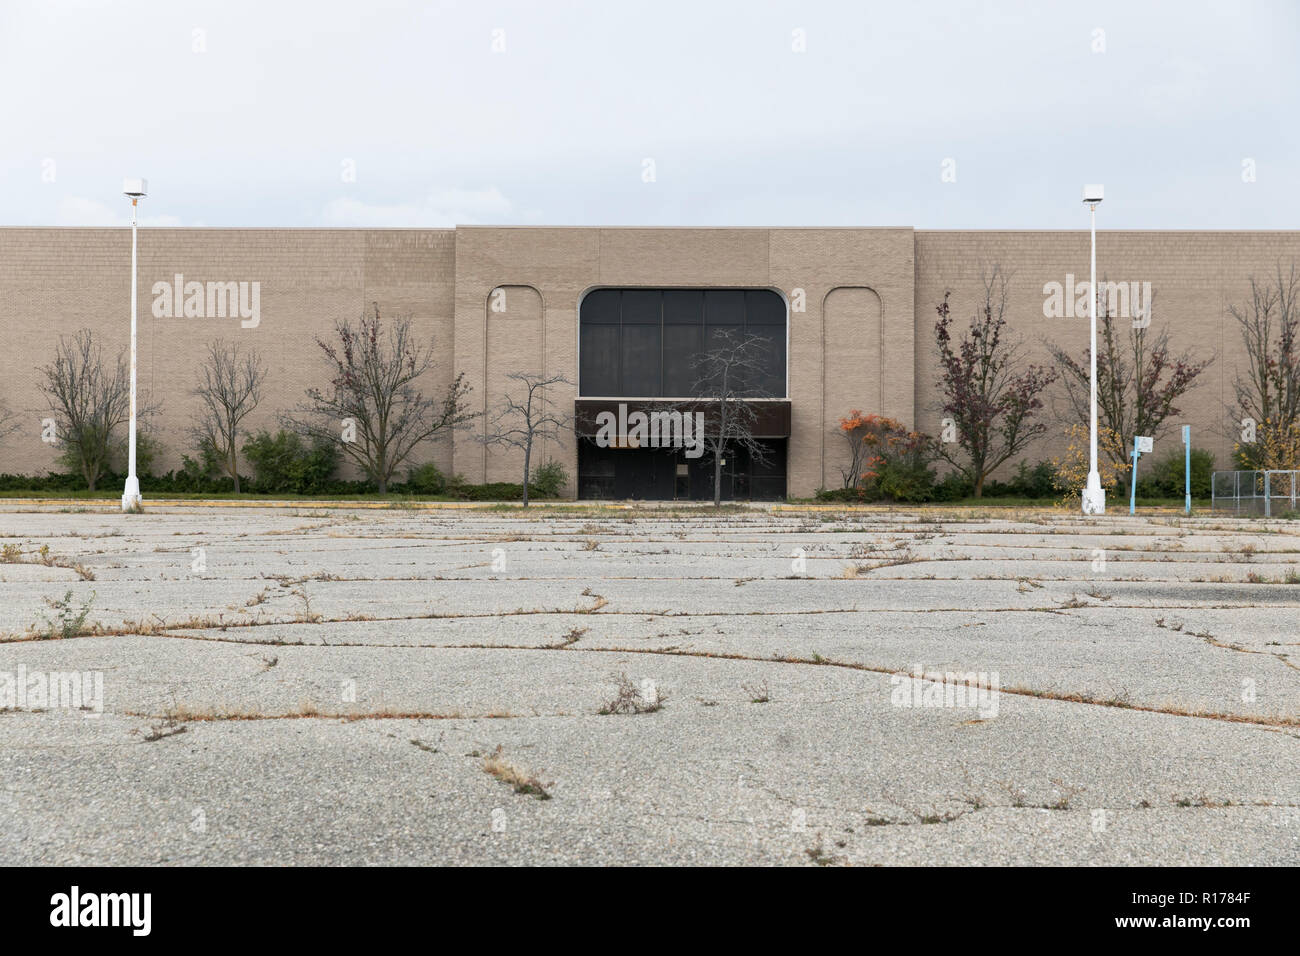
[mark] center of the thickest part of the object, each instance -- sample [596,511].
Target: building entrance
[654,474]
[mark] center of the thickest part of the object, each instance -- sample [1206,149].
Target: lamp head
[135,188]
[1093,193]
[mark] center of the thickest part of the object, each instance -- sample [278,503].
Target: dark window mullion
[662,363]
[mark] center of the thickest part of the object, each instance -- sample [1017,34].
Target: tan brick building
[859,310]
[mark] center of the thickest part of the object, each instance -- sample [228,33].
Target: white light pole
[135,190]
[1094,496]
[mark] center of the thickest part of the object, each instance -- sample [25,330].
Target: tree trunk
[979,486]
[383,486]
[234,467]
[528,454]
[717,480]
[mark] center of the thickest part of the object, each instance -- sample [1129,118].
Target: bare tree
[9,422]
[230,388]
[521,420]
[89,402]
[1139,378]
[1268,392]
[374,408]
[989,392]
[728,376]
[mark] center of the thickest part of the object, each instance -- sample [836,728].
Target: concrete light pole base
[131,495]
[1094,496]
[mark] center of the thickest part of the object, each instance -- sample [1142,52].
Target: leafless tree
[89,402]
[1139,378]
[374,390]
[9,422]
[229,389]
[728,373]
[1268,391]
[529,416]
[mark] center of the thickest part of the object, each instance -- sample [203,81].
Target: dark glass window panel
[597,462]
[764,307]
[681,346]
[645,342]
[683,307]
[641,360]
[767,489]
[600,307]
[598,372]
[641,306]
[724,307]
[770,354]
[723,336]
[775,464]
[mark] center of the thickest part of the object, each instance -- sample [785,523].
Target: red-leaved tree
[990,394]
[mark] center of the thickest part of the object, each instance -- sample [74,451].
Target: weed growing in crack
[819,855]
[68,621]
[306,616]
[13,554]
[601,601]
[572,636]
[1014,793]
[1066,792]
[758,692]
[522,782]
[630,699]
[168,726]
[1203,801]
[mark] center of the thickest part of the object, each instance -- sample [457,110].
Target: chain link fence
[1269,493]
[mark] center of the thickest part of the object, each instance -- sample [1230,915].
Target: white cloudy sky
[256,128]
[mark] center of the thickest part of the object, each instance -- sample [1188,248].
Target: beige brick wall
[514,343]
[562,264]
[56,281]
[863,339]
[1194,276]
[829,376]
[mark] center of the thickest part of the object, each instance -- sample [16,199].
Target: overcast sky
[372,113]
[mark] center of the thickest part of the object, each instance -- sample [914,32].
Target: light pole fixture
[1094,496]
[135,190]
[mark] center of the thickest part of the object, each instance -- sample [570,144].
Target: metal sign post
[1141,444]
[1187,469]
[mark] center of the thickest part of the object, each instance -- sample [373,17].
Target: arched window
[643,343]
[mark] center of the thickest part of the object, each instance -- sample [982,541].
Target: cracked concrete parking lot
[784,685]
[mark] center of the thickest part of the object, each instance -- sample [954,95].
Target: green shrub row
[914,483]
[285,464]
